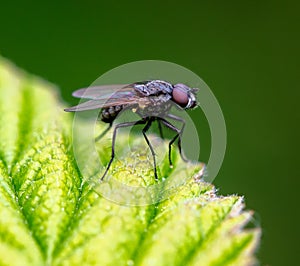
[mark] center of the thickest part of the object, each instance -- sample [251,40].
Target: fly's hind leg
[145,129]
[127,124]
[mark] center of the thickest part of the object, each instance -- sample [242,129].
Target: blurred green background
[246,51]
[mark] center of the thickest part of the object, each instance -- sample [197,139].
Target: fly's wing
[110,95]
[101,92]
[126,96]
[99,104]
[104,96]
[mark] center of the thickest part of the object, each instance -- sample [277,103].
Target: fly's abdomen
[108,115]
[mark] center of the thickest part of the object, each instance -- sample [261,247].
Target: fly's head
[184,96]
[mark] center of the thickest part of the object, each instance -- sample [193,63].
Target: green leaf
[51,215]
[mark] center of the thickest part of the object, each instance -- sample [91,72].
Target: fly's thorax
[157,106]
[154,87]
[109,114]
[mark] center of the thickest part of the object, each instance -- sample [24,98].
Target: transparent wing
[103,92]
[105,103]
[110,95]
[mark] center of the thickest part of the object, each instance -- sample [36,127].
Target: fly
[151,100]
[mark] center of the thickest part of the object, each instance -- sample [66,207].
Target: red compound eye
[180,97]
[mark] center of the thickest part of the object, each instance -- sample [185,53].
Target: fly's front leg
[177,136]
[179,119]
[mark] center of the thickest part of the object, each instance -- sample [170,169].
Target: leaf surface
[51,215]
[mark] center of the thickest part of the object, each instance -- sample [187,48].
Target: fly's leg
[179,119]
[160,129]
[127,124]
[103,133]
[145,129]
[177,136]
